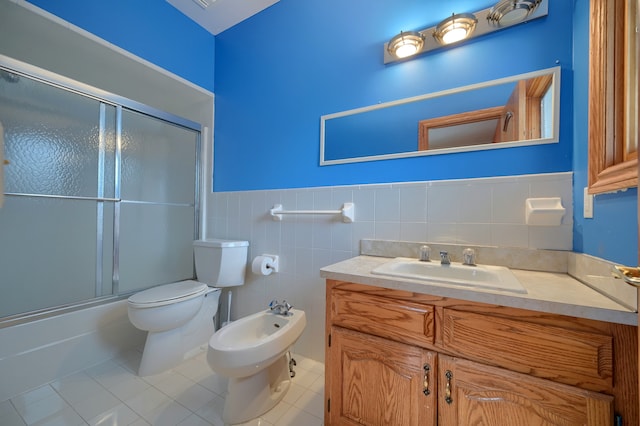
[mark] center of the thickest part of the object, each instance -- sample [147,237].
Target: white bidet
[252,353]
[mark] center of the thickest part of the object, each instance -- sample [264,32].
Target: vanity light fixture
[406,44]
[463,26]
[455,28]
[509,12]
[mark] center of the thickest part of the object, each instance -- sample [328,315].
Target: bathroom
[324,57]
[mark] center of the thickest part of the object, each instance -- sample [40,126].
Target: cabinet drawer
[556,353]
[394,319]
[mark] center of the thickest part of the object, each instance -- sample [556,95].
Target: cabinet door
[377,382]
[470,393]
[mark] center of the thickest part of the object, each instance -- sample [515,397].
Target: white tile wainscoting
[487,211]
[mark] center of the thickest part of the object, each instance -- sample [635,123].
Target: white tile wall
[488,211]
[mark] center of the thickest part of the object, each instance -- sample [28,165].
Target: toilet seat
[167,294]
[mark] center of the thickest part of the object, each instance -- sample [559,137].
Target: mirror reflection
[513,111]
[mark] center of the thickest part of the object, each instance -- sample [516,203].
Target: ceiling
[220,14]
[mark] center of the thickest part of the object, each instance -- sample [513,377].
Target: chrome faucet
[280,308]
[444,258]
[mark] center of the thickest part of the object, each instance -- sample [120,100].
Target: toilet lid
[168,293]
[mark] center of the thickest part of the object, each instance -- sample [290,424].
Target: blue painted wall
[151,29]
[613,232]
[274,81]
[279,71]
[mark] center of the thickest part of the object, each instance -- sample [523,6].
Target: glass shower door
[60,146]
[159,198]
[101,196]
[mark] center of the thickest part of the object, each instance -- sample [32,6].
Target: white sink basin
[487,277]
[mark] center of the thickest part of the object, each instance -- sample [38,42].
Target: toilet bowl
[180,317]
[253,353]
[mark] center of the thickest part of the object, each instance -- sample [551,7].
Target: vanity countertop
[556,293]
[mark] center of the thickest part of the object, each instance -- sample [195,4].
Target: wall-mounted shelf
[347,212]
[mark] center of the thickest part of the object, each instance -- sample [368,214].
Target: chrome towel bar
[347,211]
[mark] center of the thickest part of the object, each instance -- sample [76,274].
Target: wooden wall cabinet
[400,358]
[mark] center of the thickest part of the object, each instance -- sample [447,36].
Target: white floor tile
[147,401]
[297,417]
[32,396]
[311,402]
[194,420]
[215,383]
[111,394]
[129,388]
[212,412]
[77,386]
[40,409]
[174,385]
[305,378]
[117,416]
[318,385]
[294,392]
[169,413]
[65,417]
[96,404]
[112,375]
[195,397]
[9,416]
[257,422]
[277,412]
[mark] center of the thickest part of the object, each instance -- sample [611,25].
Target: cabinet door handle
[447,391]
[425,384]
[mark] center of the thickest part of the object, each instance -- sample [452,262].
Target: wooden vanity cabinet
[400,358]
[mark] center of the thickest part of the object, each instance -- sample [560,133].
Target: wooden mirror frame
[610,168]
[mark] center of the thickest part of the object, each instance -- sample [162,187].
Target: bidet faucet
[280,308]
[444,258]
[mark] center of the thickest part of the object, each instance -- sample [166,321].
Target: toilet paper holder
[273,263]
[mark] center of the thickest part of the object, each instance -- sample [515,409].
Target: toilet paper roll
[261,265]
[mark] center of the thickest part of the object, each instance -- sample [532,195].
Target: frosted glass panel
[48,253]
[155,245]
[57,250]
[158,160]
[52,139]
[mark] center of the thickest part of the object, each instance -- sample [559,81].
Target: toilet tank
[220,263]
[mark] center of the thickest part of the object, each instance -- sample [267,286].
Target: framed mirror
[514,111]
[614,113]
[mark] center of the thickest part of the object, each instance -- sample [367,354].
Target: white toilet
[179,317]
[253,352]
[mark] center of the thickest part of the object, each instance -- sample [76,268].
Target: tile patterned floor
[110,394]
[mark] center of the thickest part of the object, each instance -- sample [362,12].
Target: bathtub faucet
[280,308]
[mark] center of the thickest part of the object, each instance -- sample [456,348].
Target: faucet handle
[469,257]
[273,304]
[425,253]
[286,305]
